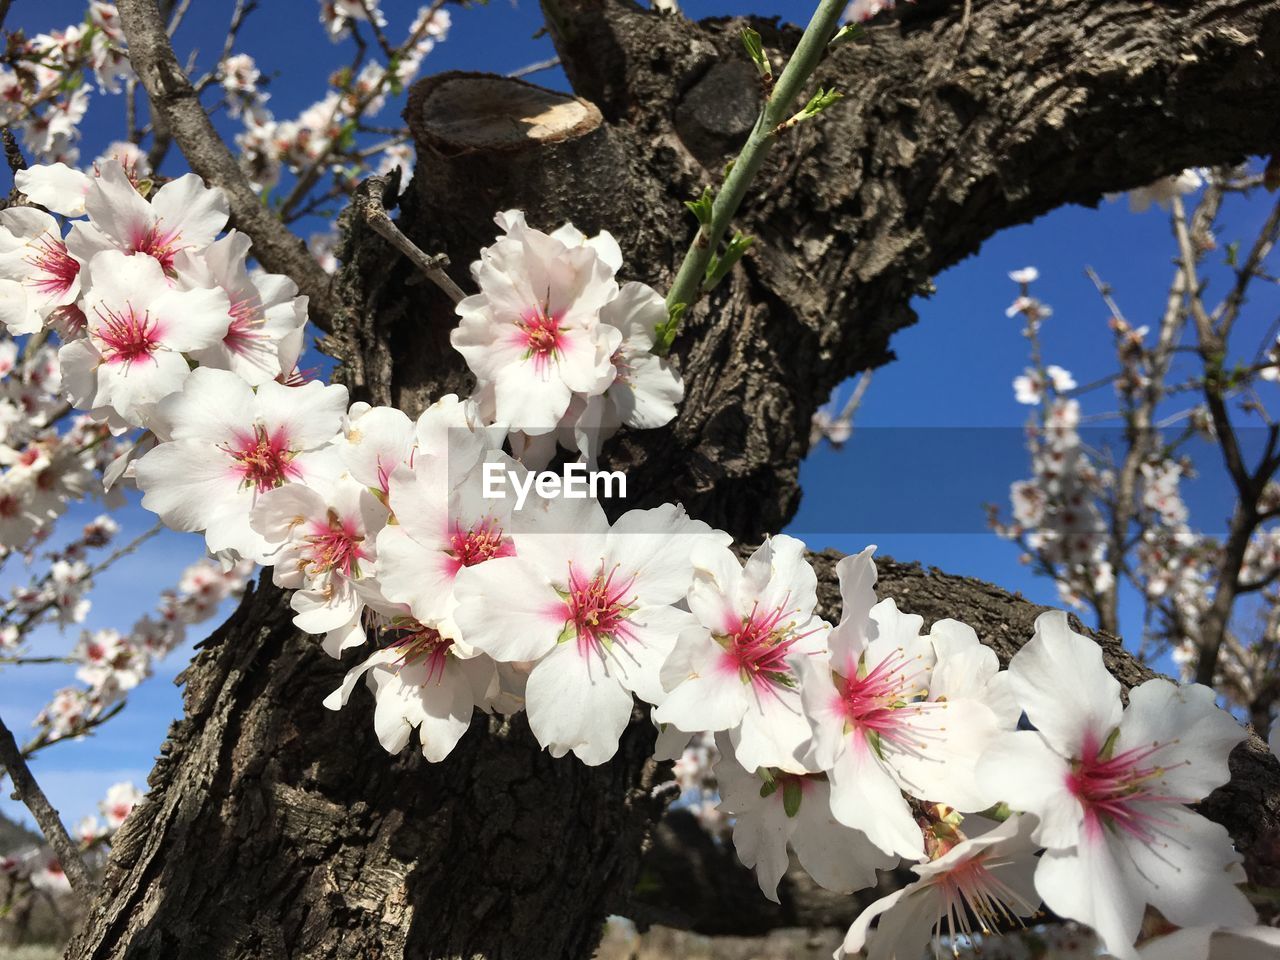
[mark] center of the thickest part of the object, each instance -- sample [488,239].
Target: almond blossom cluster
[561,351]
[1055,513]
[42,89]
[1065,515]
[48,455]
[858,745]
[111,663]
[36,868]
[321,139]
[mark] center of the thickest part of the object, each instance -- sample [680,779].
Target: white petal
[523,626]
[837,857]
[774,731]
[865,797]
[574,704]
[1196,736]
[1090,885]
[1031,777]
[1060,681]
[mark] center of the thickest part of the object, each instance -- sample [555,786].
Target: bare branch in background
[535,68]
[175,101]
[175,21]
[28,791]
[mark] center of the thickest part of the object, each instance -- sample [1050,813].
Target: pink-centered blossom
[376,441]
[646,389]
[883,726]
[227,444]
[119,802]
[37,274]
[533,335]
[594,604]
[985,878]
[1111,788]
[441,529]
[182,216]
[421,680]
[324,540]
[737,668]
[139,329]
[264,309]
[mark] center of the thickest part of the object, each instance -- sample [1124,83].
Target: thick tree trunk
[277,829]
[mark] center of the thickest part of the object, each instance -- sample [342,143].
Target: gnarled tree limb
[278,829]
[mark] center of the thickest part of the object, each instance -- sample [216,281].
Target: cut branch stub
[460,113]
[487,144]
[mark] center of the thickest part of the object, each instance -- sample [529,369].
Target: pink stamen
[57,268]
[244,333]
[420,643]
[335,544]
[758,646]
[872,701]
[541,336]
[127,336]
[162,244]
[597,608]
[263,460]
[1113,790]
[482,541]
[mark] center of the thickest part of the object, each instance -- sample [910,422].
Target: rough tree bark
[276,829]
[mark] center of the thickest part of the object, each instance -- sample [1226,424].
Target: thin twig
[28,791]
[370,11]
[85,729]
[176,20]
[368,200]
[534,68]
[32,615]
[175,100]
[242,10]
[687,286]
[1227,312]
[310,176]
[855,401]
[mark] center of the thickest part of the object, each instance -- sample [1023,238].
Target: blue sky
[937,435]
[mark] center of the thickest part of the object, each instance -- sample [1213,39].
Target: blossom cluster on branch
[43,80]
[48,81]
[322,138]
[111,663]
[1106,511]
[35,868]
[858,745]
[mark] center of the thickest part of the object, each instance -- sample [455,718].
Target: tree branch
[28,791]
[368,201]
[175,102]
